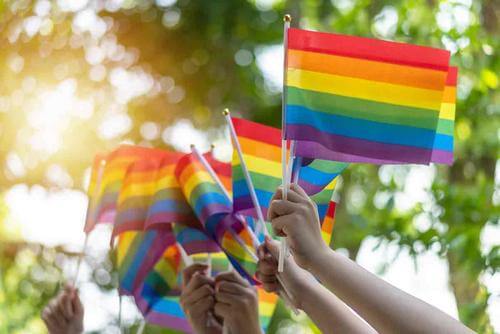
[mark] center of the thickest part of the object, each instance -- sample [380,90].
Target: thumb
[272,246]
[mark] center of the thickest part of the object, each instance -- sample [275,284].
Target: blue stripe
[368,130]
[161,304]
[165,205]
[316,177]
[190,234]
[141,252]
[208,199]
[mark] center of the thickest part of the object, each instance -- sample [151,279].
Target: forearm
[387,308]
[329,313]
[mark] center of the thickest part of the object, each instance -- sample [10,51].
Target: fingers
[202,306]
[295,189]
[232,288]
[279,207]
[272,246]
[198,294]
[231,276]
[55,314]
[222,310]
[77,304]
[67,306]
[196,281]
[280,225]
[188,273]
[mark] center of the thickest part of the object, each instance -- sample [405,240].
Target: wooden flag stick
[283,247]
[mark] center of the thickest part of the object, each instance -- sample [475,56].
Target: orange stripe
[266,297]
[367,69]
[450,94]
[260,149]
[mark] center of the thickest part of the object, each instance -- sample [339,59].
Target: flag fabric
[194,240]
[137,252]
[446,123]
[105,197]
[261,148]
[202,193]
[357,99]
[137,192]
[328,223]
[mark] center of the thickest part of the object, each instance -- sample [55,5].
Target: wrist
[318,259]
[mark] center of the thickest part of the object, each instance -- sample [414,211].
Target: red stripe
[368,48]
[256,131]
[331,209]
[452,78]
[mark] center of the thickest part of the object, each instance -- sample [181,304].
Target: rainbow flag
[104,198]
[328,223]
[357,99]
[201,192]
[261,148]
[194,240]
[137,253]
[446,123]
[157,298]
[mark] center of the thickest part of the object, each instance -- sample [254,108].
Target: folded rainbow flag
[137,253]
[261,148]
[104,199]
[194,240]
[137,192]
[357,99]
[202,193]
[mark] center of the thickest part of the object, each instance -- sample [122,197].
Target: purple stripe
[213,209]
[244,205]
[163,239]
[332,147]
[167,217]
[161,319]
[311,188]
[442,157]
[200,246]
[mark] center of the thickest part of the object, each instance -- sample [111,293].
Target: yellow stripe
[263,166]
[266,309]
[194,180]
[124,242]
[365,89]
[447,111]
[137,190]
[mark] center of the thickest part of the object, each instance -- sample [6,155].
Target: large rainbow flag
[261,148]
[357,99]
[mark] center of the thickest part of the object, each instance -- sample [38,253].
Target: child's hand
[64,313]
[297,219]
[237,303]
[296,279]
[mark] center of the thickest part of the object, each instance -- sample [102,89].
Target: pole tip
[212,146]
[225,112]
[192,146]
[287,18]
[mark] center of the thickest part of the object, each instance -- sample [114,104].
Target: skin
[327,311]
[385,307]
[237,303]
[197,299]
[64,313]
[226,300]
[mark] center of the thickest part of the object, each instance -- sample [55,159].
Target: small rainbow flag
[328,223]
[194,240]
[104,198]
[203,194]
[261,148]
[357,99]
[137,253]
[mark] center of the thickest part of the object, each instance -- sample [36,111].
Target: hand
[297,219]
[64,313]
[237,303]
[296,279]
[197,299]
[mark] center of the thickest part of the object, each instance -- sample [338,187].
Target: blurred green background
[80,76]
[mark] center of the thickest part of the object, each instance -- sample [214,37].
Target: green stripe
[201,189]
[329,167]
[323,196]
[446,127]
[362,109]
[130,254]
[260,181]
[157,282]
